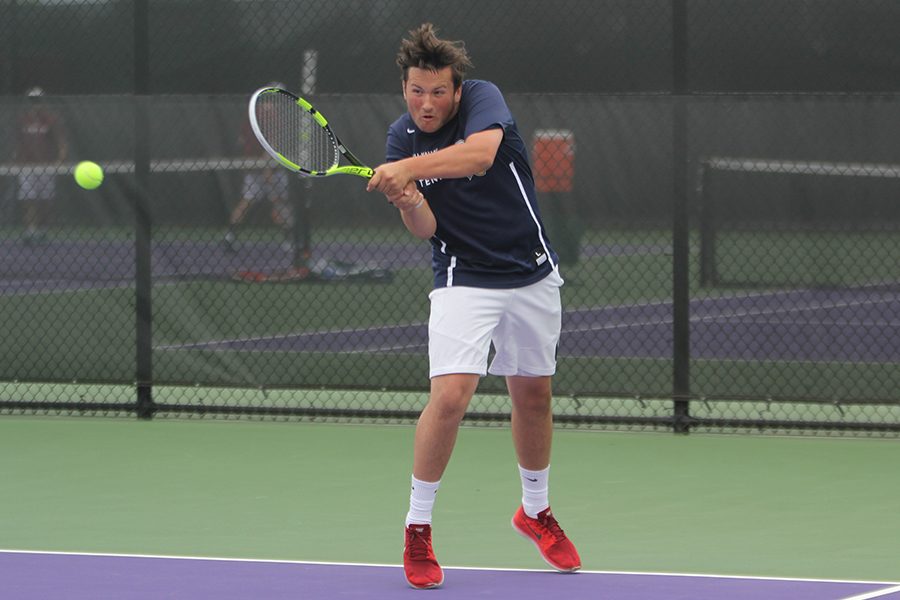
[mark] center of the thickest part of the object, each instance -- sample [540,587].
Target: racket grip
[363,172]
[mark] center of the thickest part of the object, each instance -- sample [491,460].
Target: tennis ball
[88,175]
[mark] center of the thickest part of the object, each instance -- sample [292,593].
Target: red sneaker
[549,538]
[419,563]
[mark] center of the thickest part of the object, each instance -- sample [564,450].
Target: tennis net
[792,223]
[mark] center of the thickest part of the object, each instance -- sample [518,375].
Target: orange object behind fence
[554,160]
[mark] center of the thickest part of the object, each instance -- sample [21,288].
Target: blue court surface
[38,575]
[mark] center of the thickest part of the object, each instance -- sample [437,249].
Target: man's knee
[451,394]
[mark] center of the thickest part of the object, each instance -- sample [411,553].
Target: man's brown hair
[425,50]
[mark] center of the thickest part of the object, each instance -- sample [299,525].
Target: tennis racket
[299,137]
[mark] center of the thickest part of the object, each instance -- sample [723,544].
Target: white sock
[421,501]
[535,490]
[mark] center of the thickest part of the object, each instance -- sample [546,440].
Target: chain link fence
[720,180]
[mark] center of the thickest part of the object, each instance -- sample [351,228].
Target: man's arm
[416,214]
[460,160]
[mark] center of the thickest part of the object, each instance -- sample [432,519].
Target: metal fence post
[681,385]
[143,224]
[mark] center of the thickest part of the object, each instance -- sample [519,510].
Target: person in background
[259,185]
[40,142]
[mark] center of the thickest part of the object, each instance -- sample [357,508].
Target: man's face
[430,97]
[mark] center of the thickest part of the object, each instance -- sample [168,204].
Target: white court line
[325,332]
[725,316]
[875,594]
[464,568]
[286,336]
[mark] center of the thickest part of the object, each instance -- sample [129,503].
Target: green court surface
[767,506]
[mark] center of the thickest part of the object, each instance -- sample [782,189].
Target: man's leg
[532,430]
[239,212]
[235,218]
[252,190]
[436,434]
[460,326]
[283,218]
[532,420]
[277,190]
[435,438]
[439,424]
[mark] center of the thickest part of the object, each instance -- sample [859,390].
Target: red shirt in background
[39,137]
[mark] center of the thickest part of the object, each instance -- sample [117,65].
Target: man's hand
[410,199]
[393,180]
[416,213]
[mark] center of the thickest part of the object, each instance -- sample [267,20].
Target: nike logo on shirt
[408,130]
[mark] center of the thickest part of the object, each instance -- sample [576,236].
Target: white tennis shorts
[522,323]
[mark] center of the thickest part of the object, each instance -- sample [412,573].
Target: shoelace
[416,544]
[550,523]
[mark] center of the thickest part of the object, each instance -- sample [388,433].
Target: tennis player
[458,171]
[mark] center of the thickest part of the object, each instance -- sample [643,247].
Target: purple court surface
[36,575]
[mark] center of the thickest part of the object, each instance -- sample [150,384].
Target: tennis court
[172,508]
[210,378]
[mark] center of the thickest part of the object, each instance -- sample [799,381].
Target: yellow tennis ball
[88,175]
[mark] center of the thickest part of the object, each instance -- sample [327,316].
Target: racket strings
[294,133]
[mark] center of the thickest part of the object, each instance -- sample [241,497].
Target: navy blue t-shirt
[489,229]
